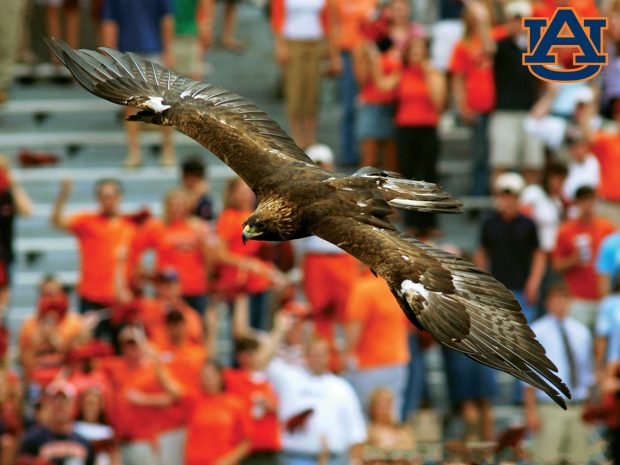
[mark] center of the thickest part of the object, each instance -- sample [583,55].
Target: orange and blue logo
[565,32]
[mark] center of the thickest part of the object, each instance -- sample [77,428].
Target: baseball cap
[61,386]
[518,9]
[320,154]
[166,275]
[512,183]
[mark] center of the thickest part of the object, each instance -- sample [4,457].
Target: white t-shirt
[337,414]
[302,20]
[545,212]
[586,173]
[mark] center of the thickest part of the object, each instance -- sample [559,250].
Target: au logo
[565,30]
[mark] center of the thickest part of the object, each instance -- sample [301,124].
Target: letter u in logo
[565,30]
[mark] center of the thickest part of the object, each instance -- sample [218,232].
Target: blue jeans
[415,385]
[348,96]
[480,155]
[259,310]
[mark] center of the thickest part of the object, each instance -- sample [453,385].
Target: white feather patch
[411,203]
[408,286]
[156,104]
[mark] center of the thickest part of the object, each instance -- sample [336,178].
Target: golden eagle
[463,307]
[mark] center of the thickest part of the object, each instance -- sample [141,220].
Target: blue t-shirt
[139,23]
[58,449]
[608,259]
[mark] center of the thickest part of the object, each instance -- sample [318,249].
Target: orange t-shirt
[153,315]
[415,107]
[606,147]
[133,422]
[100,238]
[383,339]
[251,387]
[470,59]
[582,280]
[232,279]
[390,63]
[180,246]
[351,16]
[218,424]
[184,363]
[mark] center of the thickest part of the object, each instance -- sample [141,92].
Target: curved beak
[248,233]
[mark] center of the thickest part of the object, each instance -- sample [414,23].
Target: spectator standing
[145,27]
[250,383]
[352,14]
[606,147]
[190,28]
[220,427]
[143,391]
[46,336]
[302,29]
[246,273]
[10,38]
[544,204]
[558,435]
[153,312]
[578,244]
[421,96]
[13,201]
[55,442]
[181,242]
[509,245]
[378,65]
[376,349]
[519,95]
[446,32]
[607,330]
[194,179]
[583,168]
[610,88]
[328,273]
[321,412]
[101,235]
[473,87]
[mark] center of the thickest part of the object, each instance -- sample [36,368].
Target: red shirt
[100,238]
[180,245]
[218,424]
[470,59]
[415,107]
[252,388]
[582,279]
[606,147]
[389,63]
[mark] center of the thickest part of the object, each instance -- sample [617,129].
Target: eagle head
[273,220]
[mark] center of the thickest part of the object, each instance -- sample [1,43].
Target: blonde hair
[229,200]
[172,193]
[374,397]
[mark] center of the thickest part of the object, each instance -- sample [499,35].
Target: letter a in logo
[565,30]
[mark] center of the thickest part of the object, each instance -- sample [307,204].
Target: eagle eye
[260,225]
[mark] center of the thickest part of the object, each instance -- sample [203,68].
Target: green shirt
[185,17]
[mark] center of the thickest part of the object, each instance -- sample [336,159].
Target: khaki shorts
[187,59]
[511,146]
[302,77]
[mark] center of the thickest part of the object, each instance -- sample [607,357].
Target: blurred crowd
[188,346]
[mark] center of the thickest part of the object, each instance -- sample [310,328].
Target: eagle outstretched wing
[233,128]
[463,307]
